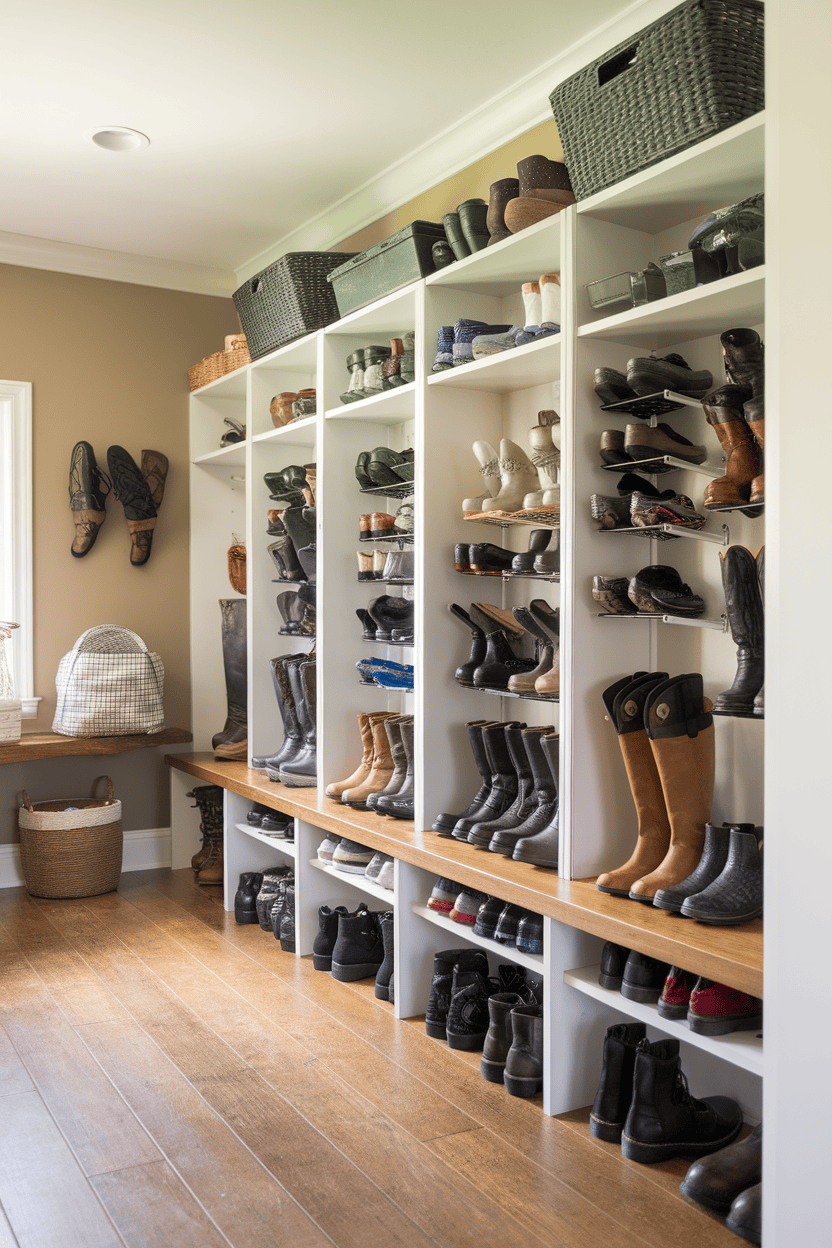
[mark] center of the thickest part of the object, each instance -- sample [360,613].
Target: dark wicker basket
[288,299]
[692,73]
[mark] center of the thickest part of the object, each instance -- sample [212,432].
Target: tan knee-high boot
[681,730]
[362,771]
[625,702]
[381,768]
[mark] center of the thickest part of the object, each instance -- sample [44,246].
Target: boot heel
[492,1071]
[322,962]
[649,1154]
[608,1131]
[522,1087]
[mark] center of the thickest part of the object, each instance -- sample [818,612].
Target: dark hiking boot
[245,899]
[615,1091]
[359,948]
[436,1014]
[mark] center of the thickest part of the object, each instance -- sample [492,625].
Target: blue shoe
[444,348]
[393,680]
[369,666]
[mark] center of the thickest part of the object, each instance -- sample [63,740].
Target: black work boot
[665,1120]
[711,864]
[444,824]
[281,904]
[133,492]
[540,808]
[498,1038]
[88,490]
[539,837]
[209,800]
[744,608]
[643,978]
[464,674]
[481,832]
[267,895]
[292,735]
[615,1091]
[436,1014]
[286,930]
[760,560]
[736,895]
[245,899]
[467,1023]
[503,787]
[385,971]
[613,961]
[746,1216]
[523,1074]
[327,934]
[232,742]
[359,949]
[301,770]
[500,662]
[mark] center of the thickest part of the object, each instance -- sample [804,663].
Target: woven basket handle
[110,790]
[27,801]
[130,641]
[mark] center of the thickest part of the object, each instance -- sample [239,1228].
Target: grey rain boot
[540,848]
[302,770]
[232,742]
[744,608]
[292,736]
[736,896]
[714,855]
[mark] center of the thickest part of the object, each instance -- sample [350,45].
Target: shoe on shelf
[612,447]
[611,386]
[710,867]
[647,375]
[386,876]
[518,477]
[359,946]
[646,442]
[444,349]
[505,933]
[736,895]
[715,1009]
[374,866]
[351,857]
[443,895]
[489,462]
[530,933]
[613,960]
[254,816]
[659,590]
[466,906]
[487,916]
[465,331]
[675,998]
[646,511]
[610,592]
[643,978]
[488,344]
[328,846]
[445,823]
[489,560]
[539,540]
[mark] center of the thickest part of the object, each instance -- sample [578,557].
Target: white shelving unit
[440,415]
[531,961]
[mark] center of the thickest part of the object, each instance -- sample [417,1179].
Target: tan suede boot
[681,731]
[362,771]
[625,702]
[381,768]
[723,408]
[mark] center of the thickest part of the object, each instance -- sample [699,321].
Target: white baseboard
[144,850]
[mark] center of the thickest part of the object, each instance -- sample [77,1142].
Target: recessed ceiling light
[119,139]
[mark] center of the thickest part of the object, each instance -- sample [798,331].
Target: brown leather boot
[381,768]
[208,799]
[723,409]
[211,871]
[362,771]
[625,702]
[681,731]
[754,411]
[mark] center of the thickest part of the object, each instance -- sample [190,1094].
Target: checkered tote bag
[109,685]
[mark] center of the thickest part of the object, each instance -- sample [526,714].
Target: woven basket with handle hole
[71,853]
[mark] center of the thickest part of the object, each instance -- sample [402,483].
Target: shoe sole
[381,992]
[722,1026]
[492,1071]
[245,916]
[534,862]
[675,907]
[436,1031]
[613,892]
[350,868]
[522,1087]
[297,782]
[612,982]
[321,962]
[715,920]
[608,1131]
[635,992]
[678,1012]
[649,1154]
[469,1043]
[347,972]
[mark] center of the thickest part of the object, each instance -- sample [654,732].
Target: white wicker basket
[109,685]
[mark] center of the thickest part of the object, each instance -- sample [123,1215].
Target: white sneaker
[386,874]
[351,857]
[374,866]
[328,846]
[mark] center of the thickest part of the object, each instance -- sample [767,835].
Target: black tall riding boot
[481,832]
[302,770]
[760,699]
[744,608]
[292,736]
[504,781]
[445,823]
[545,796]
[464,674]
[540,847]
[232,742]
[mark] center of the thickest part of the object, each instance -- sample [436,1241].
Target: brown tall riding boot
[723,408]
[681,731]
[754,411]
[381,768]
[625,702]
[362,771]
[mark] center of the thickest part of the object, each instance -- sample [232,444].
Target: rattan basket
[221,362]
[689,75]
[71,853]
[290,298]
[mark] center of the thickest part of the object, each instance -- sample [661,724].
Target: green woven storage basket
[692,73]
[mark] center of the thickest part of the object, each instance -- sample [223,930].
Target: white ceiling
[260,115]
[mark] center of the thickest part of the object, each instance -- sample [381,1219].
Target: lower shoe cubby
[247,848]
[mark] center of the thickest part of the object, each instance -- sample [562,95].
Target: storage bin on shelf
[288,299]
[71,847]
[214,366]
[394,262]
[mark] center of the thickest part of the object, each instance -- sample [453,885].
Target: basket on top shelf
[217,365]
[290,298]
[687,76]
[71,847]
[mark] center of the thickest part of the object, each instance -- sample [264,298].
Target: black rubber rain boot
[232,742]
[744,608]
[481,832]
[439,1000]
[301,771]
[445,823]
[544,795]
[540,848]
[504,780]
[292,736]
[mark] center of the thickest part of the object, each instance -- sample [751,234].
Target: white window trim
[16,447]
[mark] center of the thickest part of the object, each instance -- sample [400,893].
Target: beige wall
[470,183]
[108,363]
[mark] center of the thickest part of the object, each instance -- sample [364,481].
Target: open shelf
[36,745]
[506,693]
[736,300]
[553,578]
[357,881]
[392,315]
[658,464]
[721,625]
[233,456]
[740,1048]
[300,356]
[516,369]
[532,961]
[231,386]
[502,268]
[538,519]
[276,842]
[386,408]
[303,430]
[667,532]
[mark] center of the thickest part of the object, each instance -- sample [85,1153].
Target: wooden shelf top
[36,745]
[729,955]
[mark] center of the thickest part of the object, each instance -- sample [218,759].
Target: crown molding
[500,120]
[114,266]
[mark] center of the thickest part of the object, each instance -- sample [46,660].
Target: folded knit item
[465,332]
[444,348]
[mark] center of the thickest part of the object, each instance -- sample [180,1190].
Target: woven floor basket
[694,72]
[71,853]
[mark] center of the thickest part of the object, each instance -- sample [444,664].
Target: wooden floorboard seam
[156,1143]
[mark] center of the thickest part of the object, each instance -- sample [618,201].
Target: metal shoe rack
[441,415]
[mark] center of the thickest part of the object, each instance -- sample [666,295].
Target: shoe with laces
[328,846]
[487,917]
[675,998]
[88,490]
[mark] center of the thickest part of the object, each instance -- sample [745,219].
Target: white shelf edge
[281,354]
[492,363]
[222,455]
[352,320]
[375,400]
[740,1048]
[488,257]
[531,961]
[286,431]
[211,387]
[279,843]
[651,313]
[357,881]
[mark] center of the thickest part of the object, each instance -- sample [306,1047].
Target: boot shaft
[475,728]
[544,787]
[234,651]
[743,599]
[209,800]
[285,695]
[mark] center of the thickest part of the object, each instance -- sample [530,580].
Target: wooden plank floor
[167,1077]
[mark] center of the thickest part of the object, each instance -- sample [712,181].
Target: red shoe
[673,1003]
[716,1009]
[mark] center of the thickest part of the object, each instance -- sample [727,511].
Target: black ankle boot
[359,950]
[615,1091]
[324,941]
[664,1119]
[464,674]
[468,1020]
[245,899]
[439,1001]
[286,931]
[385,971]
[500,662]
[714,854]
[444,824]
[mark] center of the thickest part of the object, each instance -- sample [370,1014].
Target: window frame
[16,557]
